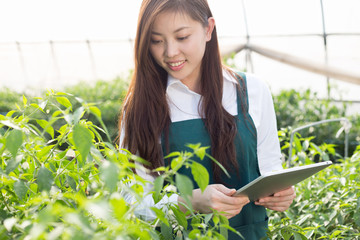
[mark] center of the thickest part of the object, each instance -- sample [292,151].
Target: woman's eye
[155,41]
[183,38]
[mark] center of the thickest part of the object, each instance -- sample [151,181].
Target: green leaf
[286,233]
[42,123]
[9,114]
[45,151]
[201,175]
[45,179]
[208,217]
[299,236]
[180,217]
[24,100]
[176,163]
[13,141]
[223,219]
[173,154]
[195,234]
[336,233]
[20,189]
[166,231]
[71,182]
[119,207]
[158,185]
[62,93]
[34,105]
[46,126]
[324,156]
[216,219]
[194,146]
[309,234]
[201,152]
[77,115]
[161,215]
[316,148]
[64,101]
[82,140]
[3,216]
[12,165]
[43,104]
[10,124]
[185,187]
[357,217]
[96,111]
[219,164]
[224,232]
[109,174]
[305,145]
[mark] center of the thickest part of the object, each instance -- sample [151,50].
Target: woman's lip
[176,66]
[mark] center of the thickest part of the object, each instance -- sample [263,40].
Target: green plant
[327,205]
[304,150]
[297,108]
[71,186]
[9,99]
[107,96]
[61,176]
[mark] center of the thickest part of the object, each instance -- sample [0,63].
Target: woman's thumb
[225,190]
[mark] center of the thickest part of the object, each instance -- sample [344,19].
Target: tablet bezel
[272,182]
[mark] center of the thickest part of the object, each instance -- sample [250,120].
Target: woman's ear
[210,28]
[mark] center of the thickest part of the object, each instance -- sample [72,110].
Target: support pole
[22,63]
[92,60]
[325,48]
[54,60]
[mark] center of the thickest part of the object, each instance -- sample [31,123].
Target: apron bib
[251,222]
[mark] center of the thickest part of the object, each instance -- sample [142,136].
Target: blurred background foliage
[293,109]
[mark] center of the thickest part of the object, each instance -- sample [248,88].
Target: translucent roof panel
[283,17]
[342,16]
[52,44]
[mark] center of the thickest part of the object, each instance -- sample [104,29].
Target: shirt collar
[176,82]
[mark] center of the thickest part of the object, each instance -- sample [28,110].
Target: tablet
[273,182]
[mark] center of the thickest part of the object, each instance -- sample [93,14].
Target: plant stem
[4,201]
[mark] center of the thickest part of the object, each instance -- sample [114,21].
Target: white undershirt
[183,105]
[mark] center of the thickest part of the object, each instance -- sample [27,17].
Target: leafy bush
[61,176]
[107,96]
[295,108]
[327,205]
[8,100]
[76,192]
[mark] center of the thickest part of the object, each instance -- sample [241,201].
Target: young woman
[181,93]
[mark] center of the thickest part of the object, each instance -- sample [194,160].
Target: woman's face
[178,44]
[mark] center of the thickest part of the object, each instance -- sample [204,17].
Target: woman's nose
[172,49]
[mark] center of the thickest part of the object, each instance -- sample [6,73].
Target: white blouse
[183,104]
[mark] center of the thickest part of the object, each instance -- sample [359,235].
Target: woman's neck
[193,85]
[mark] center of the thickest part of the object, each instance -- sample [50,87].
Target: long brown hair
[145,115]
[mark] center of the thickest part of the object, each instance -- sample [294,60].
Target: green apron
[251,222]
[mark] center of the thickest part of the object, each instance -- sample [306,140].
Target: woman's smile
[176,65]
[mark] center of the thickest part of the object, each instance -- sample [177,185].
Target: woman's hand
[280,201]
[217,197]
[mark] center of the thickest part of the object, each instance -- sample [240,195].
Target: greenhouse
[65,70]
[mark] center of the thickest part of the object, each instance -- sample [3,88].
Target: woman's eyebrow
[177,30]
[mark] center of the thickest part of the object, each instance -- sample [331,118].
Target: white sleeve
[261,110]
[142,208]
